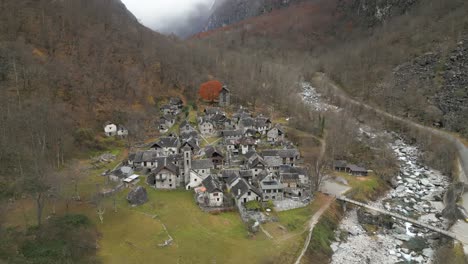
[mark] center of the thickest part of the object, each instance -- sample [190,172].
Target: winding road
[322,81]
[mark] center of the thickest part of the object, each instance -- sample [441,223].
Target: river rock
[428,252]
[137,196]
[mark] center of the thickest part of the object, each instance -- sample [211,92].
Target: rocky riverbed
[313,98]
[417,193]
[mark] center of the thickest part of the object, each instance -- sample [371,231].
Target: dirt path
[312,222]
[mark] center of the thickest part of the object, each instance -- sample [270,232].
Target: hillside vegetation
[406,57]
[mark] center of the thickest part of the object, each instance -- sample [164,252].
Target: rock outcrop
[137,196]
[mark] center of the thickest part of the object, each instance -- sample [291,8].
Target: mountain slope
[372,48]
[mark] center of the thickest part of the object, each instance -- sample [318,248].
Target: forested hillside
[404,56]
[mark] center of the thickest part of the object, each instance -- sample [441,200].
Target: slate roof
[339,163]
[192,143]
[166,164]
[247,141]
[202,164]
[210,151]
[168,117]
[247,122]
[187,135]
[289,177]
[123,172]
[283,153]
[144,156]
[356,168]
[273,161]
[246,173]
[232,133]
[270,184]
[213,110]
[255,162]
[244,187]
[291,169]
[218,118]
[230,175]
[251,153]
[212,184]
[167,142]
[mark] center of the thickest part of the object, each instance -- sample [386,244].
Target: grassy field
[363,188]
[132,234]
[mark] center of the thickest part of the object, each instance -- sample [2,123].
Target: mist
[180,17]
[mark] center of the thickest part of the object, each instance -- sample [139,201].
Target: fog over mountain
[180,17]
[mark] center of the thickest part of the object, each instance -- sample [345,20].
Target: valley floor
[135,234]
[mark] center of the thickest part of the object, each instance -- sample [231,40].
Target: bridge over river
[463,238]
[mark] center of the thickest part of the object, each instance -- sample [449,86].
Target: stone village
[231,161]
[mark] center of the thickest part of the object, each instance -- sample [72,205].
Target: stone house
[167,146]
[246,144]
[202,167]
[232,134]
[110,129]
[206,127]
[271,188]
[164,176]
[122,131]
[214,192]
[292,186]
[262,124]
[278,157]
[192,143]
[195,180]
[215,155]
[186,127]
[275,134]
[224,98]
[243,192]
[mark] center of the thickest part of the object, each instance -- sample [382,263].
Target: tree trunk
[40,207]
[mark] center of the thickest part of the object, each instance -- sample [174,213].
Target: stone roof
[273,161]
[293,169]
[213,111]
[242,187]
[246,173]
[166,164]
[247,122]
[229,173]
[167,142]
[144,156]
[232,133]
[355,168]
[202,164]
[210,151]
[340,163]
[289,177]
[283,153]
[212,184]
[270,184]
[190,134]
[192,143]
[255,162]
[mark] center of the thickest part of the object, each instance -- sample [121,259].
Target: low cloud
[180,17]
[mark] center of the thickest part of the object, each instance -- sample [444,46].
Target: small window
[203,171]
[217,199]
[195,179]
[273,197]
[170,185]
[215,194]
[248,193]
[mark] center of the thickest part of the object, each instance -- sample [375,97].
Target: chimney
[239,191]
